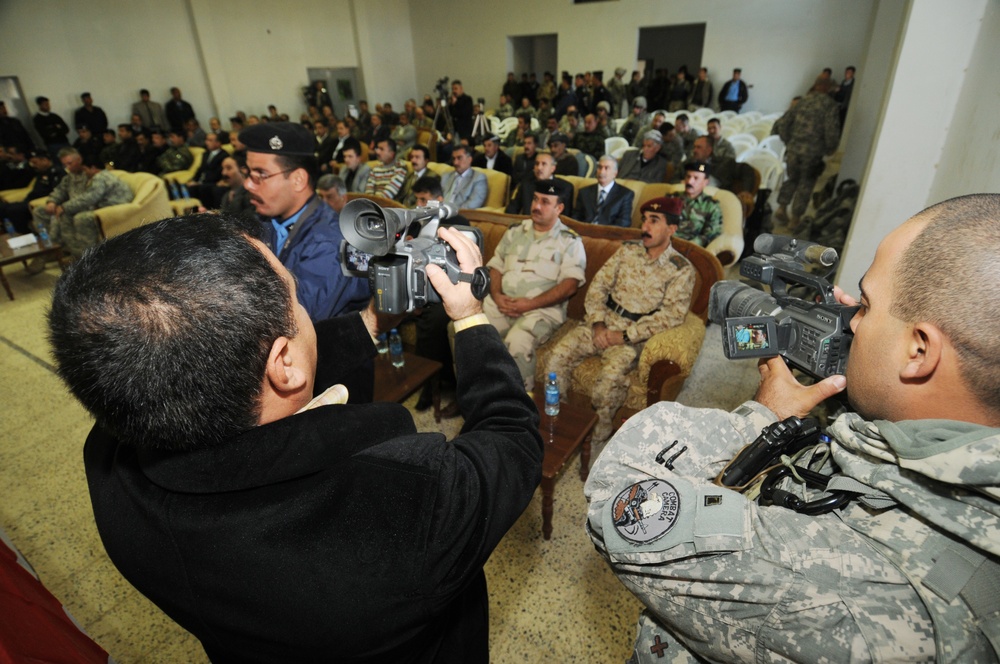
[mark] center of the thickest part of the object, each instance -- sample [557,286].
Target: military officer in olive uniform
[644,289]
[537,266]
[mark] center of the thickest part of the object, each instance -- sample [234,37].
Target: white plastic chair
[761,130]
[742,143]
[743,138]
[751,116]
[615,146]
[726,115]
[774,144]
[507,125]
[771,169]
[704,112]
[619,123]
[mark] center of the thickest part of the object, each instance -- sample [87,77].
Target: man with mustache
[300,228]
[701,221]
[644,289]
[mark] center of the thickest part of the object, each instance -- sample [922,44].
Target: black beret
[279,138]
[699,166]
[554,187]
[558,137]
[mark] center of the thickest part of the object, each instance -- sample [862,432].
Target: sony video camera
[812,335]
[377,247]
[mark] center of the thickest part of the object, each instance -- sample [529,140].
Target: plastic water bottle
[383,344]
[552,395]
[43,234]
[8,227]
[185,194]
[396,349]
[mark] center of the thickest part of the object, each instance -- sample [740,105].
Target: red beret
[670,206]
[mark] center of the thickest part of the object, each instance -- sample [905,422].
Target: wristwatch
[625,337]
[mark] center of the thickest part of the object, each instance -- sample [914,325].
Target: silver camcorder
[813,335]
[376,246]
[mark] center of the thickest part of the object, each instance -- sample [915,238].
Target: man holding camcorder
[233,486]
[878,540]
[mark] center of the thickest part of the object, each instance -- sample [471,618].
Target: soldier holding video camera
[876,540]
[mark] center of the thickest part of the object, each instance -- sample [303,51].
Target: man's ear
[924,349]
[282,373]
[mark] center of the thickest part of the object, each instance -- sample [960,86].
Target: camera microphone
[801,251]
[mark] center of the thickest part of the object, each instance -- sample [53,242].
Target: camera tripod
[480,128]
[442,111]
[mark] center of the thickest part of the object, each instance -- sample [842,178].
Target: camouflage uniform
[175,159]
[504,111]
[530,266]
[76,228]
[809,130]
[908,573]
[723,149]
[661,287]
[701,221]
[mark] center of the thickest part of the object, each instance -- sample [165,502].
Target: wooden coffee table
[563,434]
[10,256]
[392,384]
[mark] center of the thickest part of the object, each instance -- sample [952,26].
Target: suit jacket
[151,114]
[503,162]
[210,170]
[338,533]
[617,210]
[324,152]
[470,192]
[360,180]
[632,168]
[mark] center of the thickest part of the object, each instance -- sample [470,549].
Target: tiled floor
[551,601]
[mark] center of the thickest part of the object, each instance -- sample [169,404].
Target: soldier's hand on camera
[785,396]
[458,300]
[843,297]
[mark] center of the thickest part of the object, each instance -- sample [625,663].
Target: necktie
[600,200]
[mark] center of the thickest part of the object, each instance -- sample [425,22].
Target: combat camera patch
[646,511]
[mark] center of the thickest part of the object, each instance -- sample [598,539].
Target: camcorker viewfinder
[813,335]
[377,246]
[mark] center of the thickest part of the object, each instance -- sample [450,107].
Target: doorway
[341,85]
[670,47]
[533,54]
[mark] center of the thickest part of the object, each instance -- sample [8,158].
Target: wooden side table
[10,256]
[392,384]
[563,434]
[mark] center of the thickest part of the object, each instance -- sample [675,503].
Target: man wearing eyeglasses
[300,230]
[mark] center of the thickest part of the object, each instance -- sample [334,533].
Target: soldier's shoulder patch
[679,261]
[566,230]
[646,511]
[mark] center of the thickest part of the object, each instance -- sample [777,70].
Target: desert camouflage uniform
[76,228]
[530,266]
[660,288]
[809,130]
[701,221]
[723,150]
[907,573]
[504,111]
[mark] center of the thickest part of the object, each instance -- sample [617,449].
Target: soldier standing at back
[810,130]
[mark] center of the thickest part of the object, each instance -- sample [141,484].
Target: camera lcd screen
[752,336]
[353,261]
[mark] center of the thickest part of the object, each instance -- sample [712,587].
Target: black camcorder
[377,246]
[812,335]
[441,87]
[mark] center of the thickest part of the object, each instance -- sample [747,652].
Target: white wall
[780,44]
[970,162]
[225,55]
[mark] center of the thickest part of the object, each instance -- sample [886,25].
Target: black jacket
[336,534]
[503,162]
[617,210]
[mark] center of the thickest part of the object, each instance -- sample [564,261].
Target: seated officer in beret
[300,229]
[701,221]
[891,551]
[644,289]
[537,266]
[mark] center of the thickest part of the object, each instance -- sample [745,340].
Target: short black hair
[428,184]
[389,143]
[163,332]
[421,148]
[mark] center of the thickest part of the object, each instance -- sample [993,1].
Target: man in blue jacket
[299,228]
